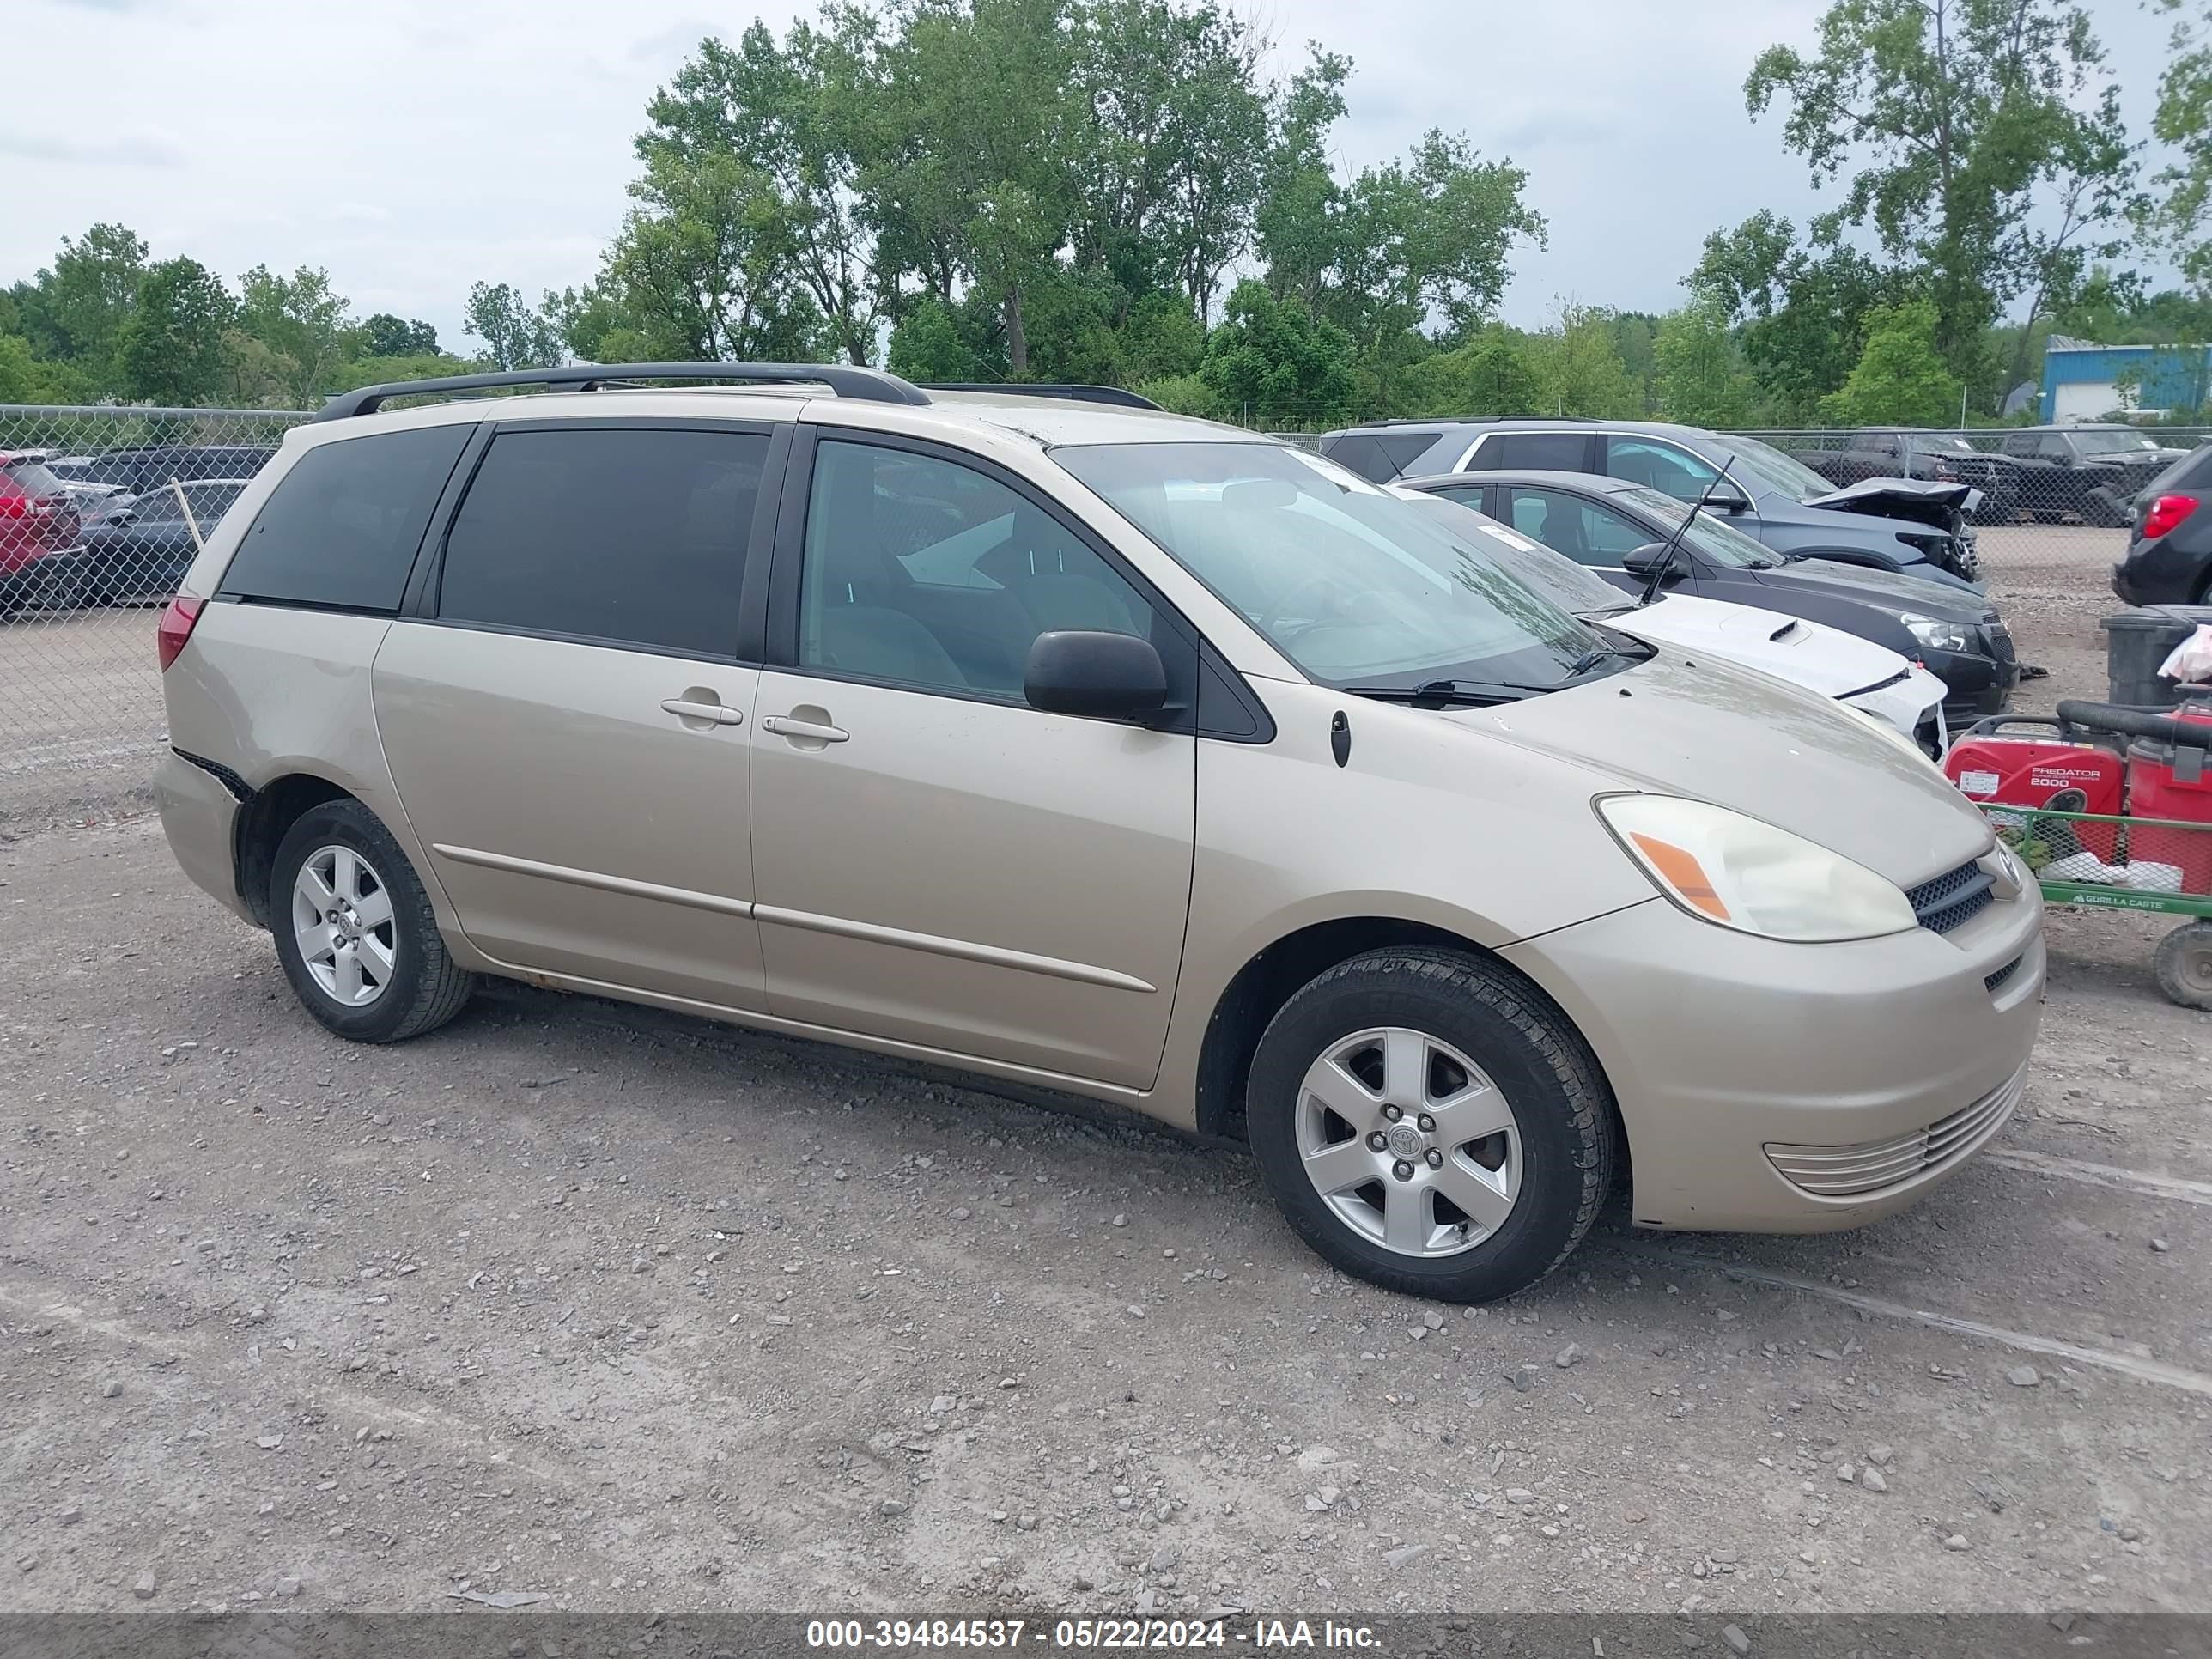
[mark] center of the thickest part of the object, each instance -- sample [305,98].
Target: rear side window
[32,477]
[1379,457]
[1545,452]
[634,536]
[340,529]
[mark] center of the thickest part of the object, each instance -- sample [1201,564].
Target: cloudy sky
[412,147]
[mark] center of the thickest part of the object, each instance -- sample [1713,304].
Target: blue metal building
[2082,379]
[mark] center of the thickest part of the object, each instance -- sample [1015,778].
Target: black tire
[1562,1108]
[426,988]
[2185,964]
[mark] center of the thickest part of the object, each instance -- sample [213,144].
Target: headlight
[1940,636]
[1723,868]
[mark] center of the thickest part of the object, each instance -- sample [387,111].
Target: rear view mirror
[1103,676]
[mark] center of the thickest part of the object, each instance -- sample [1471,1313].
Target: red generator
[2053,771]
[2167,780]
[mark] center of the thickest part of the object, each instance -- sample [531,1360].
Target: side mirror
[1103,676]
[1727,498]
[1642,561]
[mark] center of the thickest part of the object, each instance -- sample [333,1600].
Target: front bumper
[1974,686]
[1720,1046]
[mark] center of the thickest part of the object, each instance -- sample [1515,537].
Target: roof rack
[1071,392]
[870,385]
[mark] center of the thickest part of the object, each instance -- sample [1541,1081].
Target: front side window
[1713,538]
[1583,531]
[929,574]
[633,535]
[1352,583]
[1561,581]
[1661,466]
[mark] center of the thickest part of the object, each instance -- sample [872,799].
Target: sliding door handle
[720,713]
[799,731]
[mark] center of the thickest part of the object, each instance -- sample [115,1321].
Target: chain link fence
[101,509]
[2083,475]
[101,513]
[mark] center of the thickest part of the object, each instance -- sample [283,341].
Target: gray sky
[412,147]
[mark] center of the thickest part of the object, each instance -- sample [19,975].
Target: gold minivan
[1036,731]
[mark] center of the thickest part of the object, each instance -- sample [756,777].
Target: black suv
[2093,472]
[2169,556]
[1905,451]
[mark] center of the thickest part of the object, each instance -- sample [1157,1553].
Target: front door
[568,732]
[935,862]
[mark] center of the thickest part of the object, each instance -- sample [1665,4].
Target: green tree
[170,348]
[74,311]
[928,346]
[1898,379]
[1170,146]
[1182,394]
[1698,373]
[1273,363]
[374,369]
[307,327]
[702,266]
[1980,139]
[385,335]
[789,116]
[2181,218]
[1578,370]
[26,378]
[514,335]
[1799,311]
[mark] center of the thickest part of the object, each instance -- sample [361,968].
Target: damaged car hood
[1939,504]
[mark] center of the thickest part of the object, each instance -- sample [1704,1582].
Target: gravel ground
[636,1312]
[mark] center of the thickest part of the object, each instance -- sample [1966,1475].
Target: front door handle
[685,708]
[799,731]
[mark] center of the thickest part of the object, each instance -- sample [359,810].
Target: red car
[37,517]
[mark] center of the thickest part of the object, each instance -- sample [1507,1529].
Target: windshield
[1791,476]
[1724,544]
[1554,575]
[1352,584]
[2115,443]
[1949,443]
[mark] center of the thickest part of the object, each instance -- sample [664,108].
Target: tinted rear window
[634,536]
[1547,452]
[342,527]
[1378,457]
[32,477]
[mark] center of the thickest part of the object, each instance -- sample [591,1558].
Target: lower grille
[1873,1166]
[1993,983]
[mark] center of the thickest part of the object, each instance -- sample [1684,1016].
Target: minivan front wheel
[1426,1122]
[356,932]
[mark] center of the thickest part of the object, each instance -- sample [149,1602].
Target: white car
[1870,678]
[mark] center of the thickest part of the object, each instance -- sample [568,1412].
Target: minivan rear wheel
[356,932]
[1429,1122]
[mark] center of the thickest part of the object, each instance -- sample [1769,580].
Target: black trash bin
[2136,641]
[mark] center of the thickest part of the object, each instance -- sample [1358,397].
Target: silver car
[1073,742]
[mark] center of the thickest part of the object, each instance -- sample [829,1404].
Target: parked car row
[2089,472]
[108,529]
[1891,561]
[1076,742]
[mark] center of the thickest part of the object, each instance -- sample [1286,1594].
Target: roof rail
[1071,392]
[871,385]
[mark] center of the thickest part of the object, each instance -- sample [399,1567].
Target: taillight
[2166,512]
[176,627]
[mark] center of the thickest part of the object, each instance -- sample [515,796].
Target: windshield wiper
[1438,693]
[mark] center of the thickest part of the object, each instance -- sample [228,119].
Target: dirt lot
[643,1313]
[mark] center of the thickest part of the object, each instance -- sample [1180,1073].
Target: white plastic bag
[2190,662]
